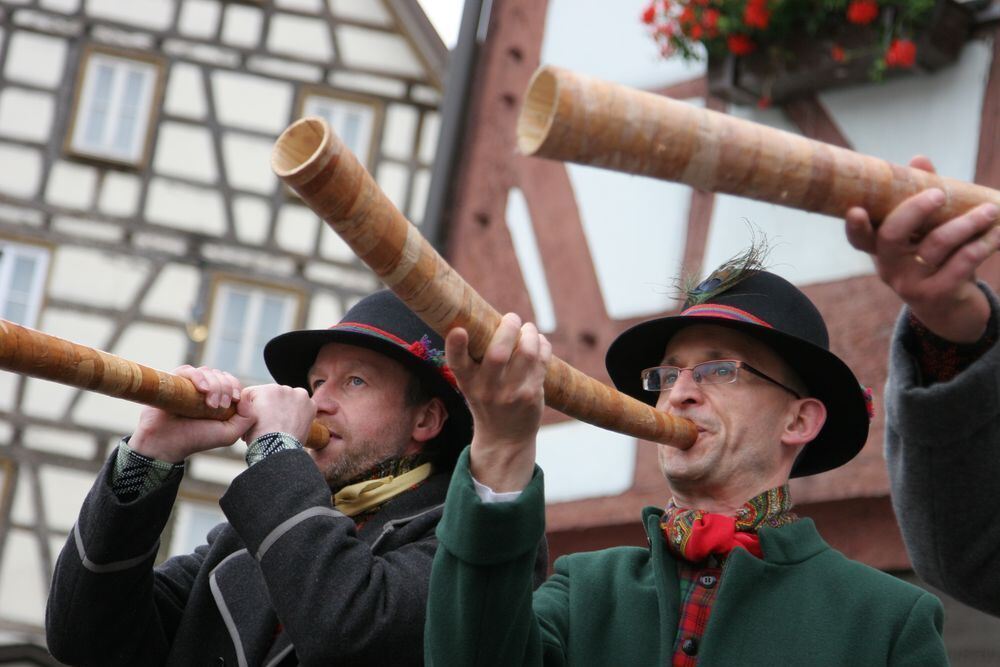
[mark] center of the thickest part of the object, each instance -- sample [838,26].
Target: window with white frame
[114,107]
[22,279]
[352,120]
[244,317]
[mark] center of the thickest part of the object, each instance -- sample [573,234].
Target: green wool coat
[802,604]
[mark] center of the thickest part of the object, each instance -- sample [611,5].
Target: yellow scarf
[356,498]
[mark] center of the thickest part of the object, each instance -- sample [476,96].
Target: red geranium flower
[740,45]
[649,14]
[838,54]
[756,14]
[902,53]
[862,12]
[696,31]
[710,19]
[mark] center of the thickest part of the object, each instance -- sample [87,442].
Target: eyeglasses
[717,371]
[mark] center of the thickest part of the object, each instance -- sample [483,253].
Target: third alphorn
[310,159]
[576,118]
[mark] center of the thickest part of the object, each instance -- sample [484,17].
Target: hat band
[421,349]
[723,312]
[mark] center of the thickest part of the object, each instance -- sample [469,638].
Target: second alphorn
[40,355]
[576,118]
[313,161]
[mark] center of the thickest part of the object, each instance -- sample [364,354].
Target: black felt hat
[777,313]
[383,323]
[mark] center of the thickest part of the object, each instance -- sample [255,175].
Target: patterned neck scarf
[350,498]
[694,535]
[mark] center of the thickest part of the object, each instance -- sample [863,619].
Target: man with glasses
[731,576]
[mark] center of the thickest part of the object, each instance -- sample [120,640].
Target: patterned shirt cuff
[135,474]
[269,443]
[941,360]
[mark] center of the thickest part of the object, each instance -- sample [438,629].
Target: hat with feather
[741,295]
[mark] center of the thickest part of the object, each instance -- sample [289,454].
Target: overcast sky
[445,15]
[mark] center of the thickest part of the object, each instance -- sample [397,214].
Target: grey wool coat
[342,596]
[943,448]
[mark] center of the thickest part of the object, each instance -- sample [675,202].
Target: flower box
[806,65]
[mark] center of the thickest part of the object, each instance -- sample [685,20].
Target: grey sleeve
[943,451]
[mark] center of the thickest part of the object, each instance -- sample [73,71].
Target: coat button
[690,646]
[708,580]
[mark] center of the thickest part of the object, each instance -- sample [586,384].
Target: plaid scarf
[694,535]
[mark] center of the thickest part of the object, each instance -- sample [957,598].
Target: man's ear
[429,420]
[805,420]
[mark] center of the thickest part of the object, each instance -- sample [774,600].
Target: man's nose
[324,400]
[685,390]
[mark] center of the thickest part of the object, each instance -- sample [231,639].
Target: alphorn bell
[314,162]
[575,118]
[40,355]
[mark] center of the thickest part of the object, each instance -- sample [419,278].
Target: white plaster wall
[185,150]
[529,258]
[216,469]
[269,111]
[173,293]
[96,277]
[58,441]
[368,83]
[331,246]
[87,228]
[583,461]
[241,25]
[20,170]
[636,229]
[39,60]
[418,201]
[153,345]
[185,207]
[429,137]
[63,491]
[296,228]
[64,6]
[152,14]
[22,585]
[99,411]
[398,133]
[185,92]
[392,179]
[312,6]
[119,193]
[626,53]
[371,49]
[26,114]
[71,185]
[325,310]
[248,162]
[301,37]
[370,11]
[199,18]
[252,218]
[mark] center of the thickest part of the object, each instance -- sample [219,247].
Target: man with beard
[731,575]
[295,576]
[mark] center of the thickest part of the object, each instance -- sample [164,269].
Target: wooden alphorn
[311,160]
[40,355]
[576,118]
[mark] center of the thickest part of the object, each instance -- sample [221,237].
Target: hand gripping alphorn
[311,160]
[575,118]
[40,355]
